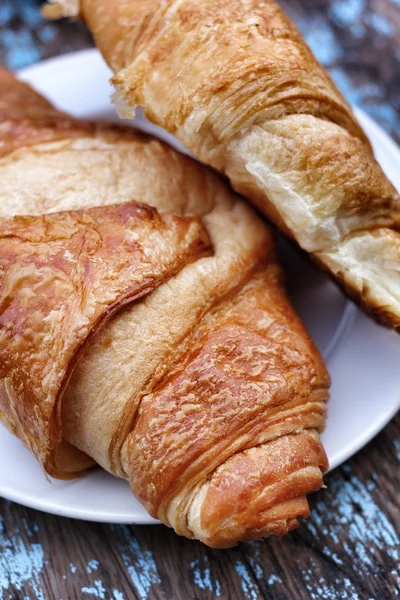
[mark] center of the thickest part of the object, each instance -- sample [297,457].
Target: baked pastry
[144,327]
[236,83]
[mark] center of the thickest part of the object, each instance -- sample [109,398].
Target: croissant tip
[259,492]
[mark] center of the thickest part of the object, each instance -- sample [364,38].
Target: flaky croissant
[144,327]
[236,83]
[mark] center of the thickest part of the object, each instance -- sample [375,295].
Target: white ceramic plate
[363,358]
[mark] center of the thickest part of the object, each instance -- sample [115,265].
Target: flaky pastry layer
[144,327]
[236,83]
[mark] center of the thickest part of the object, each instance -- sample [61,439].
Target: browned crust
[246,376]
[239,65]
[281,474]
[61,277]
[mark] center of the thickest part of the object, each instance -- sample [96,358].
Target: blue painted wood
[26,38]
[350,548]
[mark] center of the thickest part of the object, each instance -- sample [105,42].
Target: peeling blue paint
[27,527]
[28,12]
[333,556]
[92,565]
[319,589]
[202,577]
[20,48]
[255,559]
[368,97]
[19,565]
[354,14]
[143,572]
[345,12]
[321,40]
[24,34]
[6,12]
[249,588]
[47,33]
[358,30]
[352,508]
[140,563]
[97,590]
[257,568]
[380,23]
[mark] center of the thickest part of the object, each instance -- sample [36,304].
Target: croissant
[144,328]
[236,83]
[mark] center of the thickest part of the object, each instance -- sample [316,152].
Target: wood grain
[350,548]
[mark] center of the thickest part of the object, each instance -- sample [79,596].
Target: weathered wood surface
[350,548]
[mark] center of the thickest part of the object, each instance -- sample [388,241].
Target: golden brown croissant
[144,327]
[236,83]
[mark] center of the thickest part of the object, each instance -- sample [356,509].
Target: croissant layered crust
[144,327]
[249,98]
[241,380]
[62,275]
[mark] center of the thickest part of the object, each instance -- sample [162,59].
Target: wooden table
[350,548]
